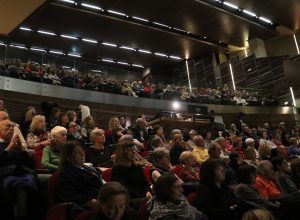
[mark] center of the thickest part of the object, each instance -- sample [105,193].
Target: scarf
[182,210]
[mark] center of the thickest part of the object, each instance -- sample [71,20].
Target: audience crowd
[49,74]
[53,158]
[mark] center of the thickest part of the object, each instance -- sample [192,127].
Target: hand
[13,143]
[46,142]
[148,195]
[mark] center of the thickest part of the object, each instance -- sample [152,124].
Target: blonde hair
[35,120]
[121,153]
[111,123]
[184,156]
[258,214]
[94,133]
[264,150]
[29,114]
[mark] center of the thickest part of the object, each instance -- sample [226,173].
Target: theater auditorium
[149,110]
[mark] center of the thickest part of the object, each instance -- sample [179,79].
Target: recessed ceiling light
[46,32]
[140,19]
[66,67]
[249,13]
[123,63]
[109,44]
[265,20]
[89,40]
[18,46]
[137,65]
[25,29]
[231,5]
[68,37]
[92,6]
[37,49]
[74,55]
[108,60]
[127,48]
[68,1]
[175,58]
[160,24]
[96,71]
[56,52]
[144,51]
[160,54]
[116,12]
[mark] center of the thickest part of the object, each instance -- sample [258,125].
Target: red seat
[106,175]
[177,170]
[191,198]
[59,212]
[147,173]
[86,215]
[52,183]
[38,158]
[143,211]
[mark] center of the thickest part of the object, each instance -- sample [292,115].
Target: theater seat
[59,212]
[52,182]
[191,198]
[106,175]
[147,173]
[143,211]
[86,215]
[38,158]
[177,170]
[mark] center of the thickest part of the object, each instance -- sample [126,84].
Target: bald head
[3,116]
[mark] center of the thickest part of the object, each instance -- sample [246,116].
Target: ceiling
[219,26]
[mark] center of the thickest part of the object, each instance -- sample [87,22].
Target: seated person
[295,171]
[98,154]
[247,195]
[38,137]
[169,202]
[73,133]
[51,153]
[113,199]
[189,172]
[258,214]
[293,149]
[264,183]
[77,182]
[178,146]
[214,198]
[282,175]
[18,183]
[162,165]
[199,152]
[128,173]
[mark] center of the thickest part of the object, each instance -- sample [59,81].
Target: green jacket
[50,159]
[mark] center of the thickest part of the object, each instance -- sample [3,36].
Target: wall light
[296,43]
[175,105]
[293,97]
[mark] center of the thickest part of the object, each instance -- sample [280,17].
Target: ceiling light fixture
[96,71]
[66,67]
[230,5]
[127,48]
[18,46]
[177,29]
[249,13]
[46,32]
[108,60]
[144,51]
[69,1]
[265,20]
[160,54]
[56,52]
[140,19]
[123,63]
[137,65]
[117,13]
[2,44]
[175,58]
[89,40]
[109,44]
[37,49]
[74,55]
[92,6]
[68,37]
[160,24]
[25,29]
